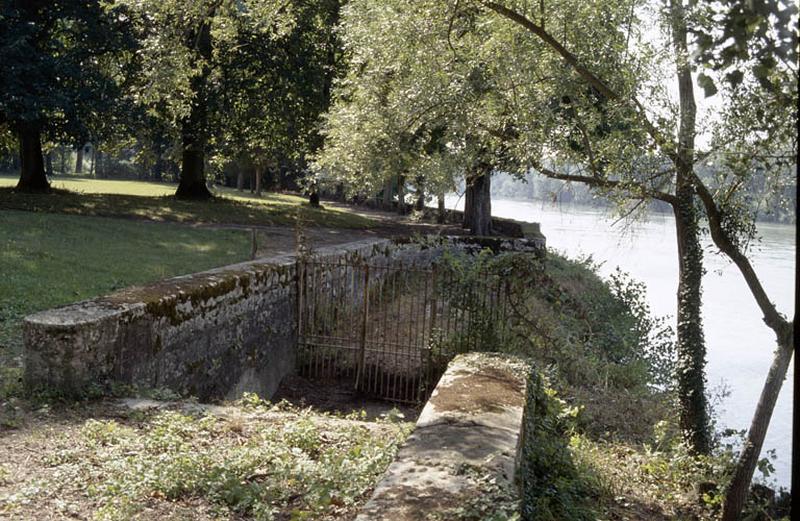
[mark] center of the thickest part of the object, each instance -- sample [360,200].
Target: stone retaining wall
[214,334]
[467,435]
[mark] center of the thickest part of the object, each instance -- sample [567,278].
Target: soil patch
[338,396]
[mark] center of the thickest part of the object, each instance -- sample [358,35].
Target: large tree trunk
[469,197]
[49,163]
[193,132]
[691,350]
[479,218]
[79,160]
[387,193]
[240,180]
[740,484]
[259,172]
[419,204]
[401,195]
[441,215]
[32,176]
[691,342]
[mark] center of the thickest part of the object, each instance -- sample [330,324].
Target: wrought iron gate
[391,330]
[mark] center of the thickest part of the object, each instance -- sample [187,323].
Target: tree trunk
[691,348]
[49,163]
[93,166]
[193,131]
[240,180]
[691,351]
[479,218]
[419,204]
[441,215]
[32,177]
[79,160]
[258,173]
[387,194]
[401,194]
[469,198]
[740,485]
[99,169]
[738,489]
[313,198]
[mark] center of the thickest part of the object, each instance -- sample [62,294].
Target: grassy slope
[154,201]
[605,443]
[48,260]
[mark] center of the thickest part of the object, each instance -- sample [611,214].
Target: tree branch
[664,143]
[722,240]
[602,182]
[539,31]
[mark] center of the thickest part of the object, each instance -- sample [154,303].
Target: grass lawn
[48,260]
[154,201]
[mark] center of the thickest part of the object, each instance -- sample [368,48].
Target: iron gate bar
[390,328]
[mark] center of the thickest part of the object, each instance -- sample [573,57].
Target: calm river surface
[739,345]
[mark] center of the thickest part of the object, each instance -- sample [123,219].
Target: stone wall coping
[472,420]
[133,299]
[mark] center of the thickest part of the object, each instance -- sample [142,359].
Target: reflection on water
[739,345]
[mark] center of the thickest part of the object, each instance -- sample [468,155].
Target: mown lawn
[154,201]
[48,260]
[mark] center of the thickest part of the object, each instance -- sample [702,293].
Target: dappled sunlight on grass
[88,185]
[49,260]
[153,201]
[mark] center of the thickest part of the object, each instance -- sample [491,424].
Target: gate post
[302,348]
[364,317]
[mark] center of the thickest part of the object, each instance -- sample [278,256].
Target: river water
[740,346]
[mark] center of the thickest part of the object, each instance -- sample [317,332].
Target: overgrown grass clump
[256,461]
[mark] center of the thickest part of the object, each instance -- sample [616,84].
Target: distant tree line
[770,202]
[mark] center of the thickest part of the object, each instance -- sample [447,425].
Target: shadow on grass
[267,211]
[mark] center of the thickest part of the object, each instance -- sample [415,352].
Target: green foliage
[562,314]
[65,65]
[472,287]
[759,35]
[260,85]
[553,487]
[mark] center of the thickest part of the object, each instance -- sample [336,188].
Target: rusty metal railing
[392,329]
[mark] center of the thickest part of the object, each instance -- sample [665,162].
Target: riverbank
[739,345]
